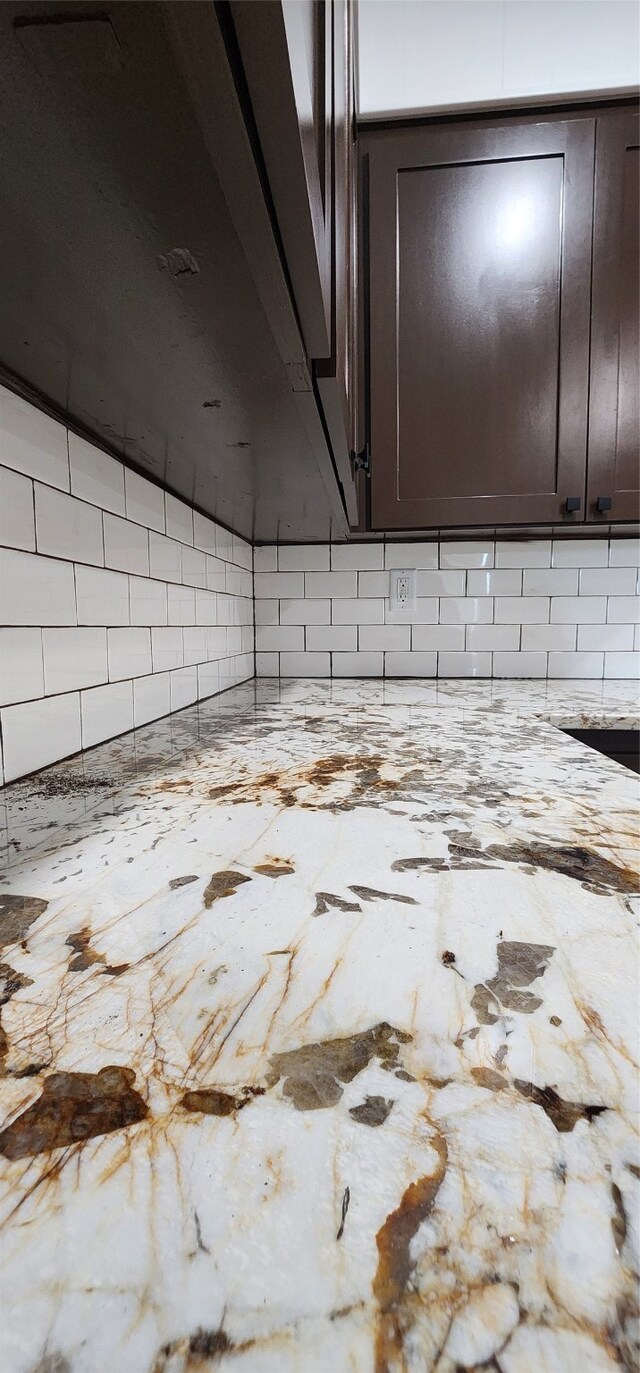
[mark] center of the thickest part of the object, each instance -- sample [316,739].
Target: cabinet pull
[572,504]
[603,503]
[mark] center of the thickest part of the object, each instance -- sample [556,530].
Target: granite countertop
[319,1038]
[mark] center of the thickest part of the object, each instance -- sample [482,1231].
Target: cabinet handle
[572,504]
[603,503]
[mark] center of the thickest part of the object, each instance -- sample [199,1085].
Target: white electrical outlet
[402,589]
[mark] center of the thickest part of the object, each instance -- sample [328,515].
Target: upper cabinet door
[614,418]
[480,253]
[286,48]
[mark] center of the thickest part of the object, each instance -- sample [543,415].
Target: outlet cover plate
[402,590]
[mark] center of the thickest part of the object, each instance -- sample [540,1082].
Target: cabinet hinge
[362,461]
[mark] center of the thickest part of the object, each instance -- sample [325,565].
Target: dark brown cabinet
[614,411]
[479,324]
[298,61]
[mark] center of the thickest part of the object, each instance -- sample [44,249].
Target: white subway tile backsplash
[34,590]
[371,584]
[206,607]
[278,638]
[608,581]
[623,610]
[621,665]
[552,581]
[301,612]
[73,658]
[65,525]
[521,610]
[611,638]
[32,442]
[78,632]
[144,502]
[165,558]
[357,664]
[17,526]
[332,638]
[418,555]
[305,665]
[181,605]
[578,665]
[435,637]
[96,477]
[480,554]
[128,652]
[466,610]
[356,612]
[624,553]
[335,584]
[267,664]
[357,557]
[266,559]
[519,664]
[166,648]
[103,597]
[126,545]
[410,664]
[395,637]
[442,583]
[194,567]
[36,733]
[464,664]
[204,533]
[183,687]
[219,576]
[506,581]
[179,519]
[523,553]
[21,665]
[580,553]
[303,558]
[490,639]
[148,600]
[289,584]
[208,679]
[151,697]
[106,711]
[548,638]
[195,640]
[268,612]
[578,610]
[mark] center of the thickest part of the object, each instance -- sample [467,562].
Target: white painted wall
[426,55]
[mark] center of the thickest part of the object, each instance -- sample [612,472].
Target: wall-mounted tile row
[443,663]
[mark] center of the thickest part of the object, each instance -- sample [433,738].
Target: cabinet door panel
[480,273]
[614,420]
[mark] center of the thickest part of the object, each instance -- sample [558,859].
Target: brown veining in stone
[312,1075]
[487,1077]
[223,884]
[275,867]
[519,964]
[372,1111]
[326,899]
[17,915]
[584,865]
[395,1265]
[11,982]
[85,956]
[563,1114]
[210,1101]
[372,894]
[72,1108]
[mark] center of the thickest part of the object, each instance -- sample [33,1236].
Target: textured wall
[118,603]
